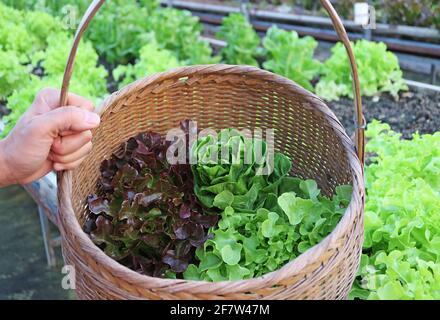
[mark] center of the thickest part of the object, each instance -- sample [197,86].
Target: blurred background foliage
[423,13]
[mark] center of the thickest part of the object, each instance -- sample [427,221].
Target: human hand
[47,137]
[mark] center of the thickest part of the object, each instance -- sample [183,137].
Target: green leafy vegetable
[13,74]
[291,56]
[379,71]
[118,31]
[26,32]
[53,61]
[242,42]
[52,7]
[413,12]
[265,220]
[222,172]
[87,80]
[146,215]
[180,32]
[152,59]
[402,219]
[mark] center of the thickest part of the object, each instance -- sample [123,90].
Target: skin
[47,138]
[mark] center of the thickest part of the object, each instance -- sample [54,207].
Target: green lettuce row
[180,32]
[242,41]
[123,28]
[48,53]
[402,217]
[153,59]
[379,71]
[26,32]
[22,34]
[46,49]
[53,7]
[13,74]
[118,30]
[291,56]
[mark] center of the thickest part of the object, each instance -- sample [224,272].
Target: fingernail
[92,119]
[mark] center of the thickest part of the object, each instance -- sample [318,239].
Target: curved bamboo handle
[339,27]
[360,120]
[88,16]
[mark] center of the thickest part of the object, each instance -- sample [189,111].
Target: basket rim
[68,221]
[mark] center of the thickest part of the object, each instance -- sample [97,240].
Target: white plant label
[365,15]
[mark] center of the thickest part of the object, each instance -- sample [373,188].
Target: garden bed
[3,110]
[414,111]
[413,13]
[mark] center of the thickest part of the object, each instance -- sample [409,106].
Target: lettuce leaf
[145,214]
[265,220]
[402,217]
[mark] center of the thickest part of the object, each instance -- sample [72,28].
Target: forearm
[5,170]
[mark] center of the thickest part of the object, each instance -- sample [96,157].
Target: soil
[112,84]
[414,111]
[3,110]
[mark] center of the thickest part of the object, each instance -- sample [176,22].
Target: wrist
[6,177]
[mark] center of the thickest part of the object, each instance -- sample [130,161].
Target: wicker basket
[219,96]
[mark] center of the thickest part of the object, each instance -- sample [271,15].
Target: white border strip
[422,86]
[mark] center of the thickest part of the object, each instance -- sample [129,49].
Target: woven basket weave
[220,96]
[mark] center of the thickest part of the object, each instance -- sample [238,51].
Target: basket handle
[359,116]
[337,23]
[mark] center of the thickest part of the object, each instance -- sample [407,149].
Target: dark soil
[112,84]
[3,110]
[414,111]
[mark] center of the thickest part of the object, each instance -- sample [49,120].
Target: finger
[68,166]
[72,157]
[67,133]
[81,102]
[49,98]
[65,119]
[68,144]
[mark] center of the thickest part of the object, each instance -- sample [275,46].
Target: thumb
[69,119]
